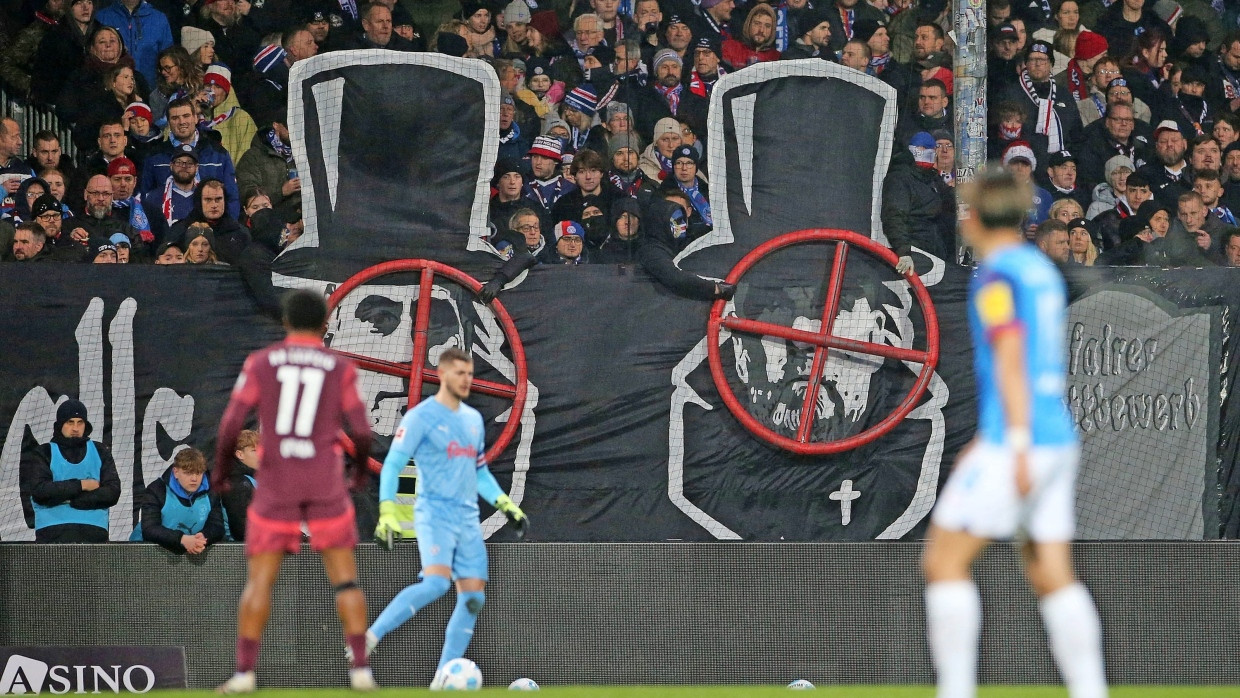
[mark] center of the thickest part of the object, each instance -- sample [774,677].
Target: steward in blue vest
[179,510]
[68,485]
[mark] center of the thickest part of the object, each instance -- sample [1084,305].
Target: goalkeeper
[445,437]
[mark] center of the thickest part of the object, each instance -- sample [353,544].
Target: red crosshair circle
[416,370]
[823,342]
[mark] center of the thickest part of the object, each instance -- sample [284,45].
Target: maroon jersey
[304,395]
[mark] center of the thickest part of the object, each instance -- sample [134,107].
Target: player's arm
[357,424]
[1006,335]
[490,490]
[244,398]
[408,435]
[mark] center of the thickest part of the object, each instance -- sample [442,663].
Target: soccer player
[303,394]
[446,439]
[1019,474]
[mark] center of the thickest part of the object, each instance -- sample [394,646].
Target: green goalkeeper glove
[514,514]
[389,528]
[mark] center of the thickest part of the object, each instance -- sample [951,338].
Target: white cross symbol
[845,497]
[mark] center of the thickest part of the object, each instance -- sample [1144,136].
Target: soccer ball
[523,685]
[458,675]
[801,685]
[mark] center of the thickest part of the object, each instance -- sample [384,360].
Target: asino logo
[27,676]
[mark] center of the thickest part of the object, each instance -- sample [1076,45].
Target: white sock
[1075,635]
[954,622]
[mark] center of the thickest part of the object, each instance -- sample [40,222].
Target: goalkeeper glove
[389,528]
[514,514]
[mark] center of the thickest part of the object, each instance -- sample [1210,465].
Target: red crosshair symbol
[823,341]
[416,370]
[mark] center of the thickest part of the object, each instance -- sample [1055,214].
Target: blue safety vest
[63,513]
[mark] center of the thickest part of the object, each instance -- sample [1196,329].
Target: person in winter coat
[62,51]
[570,245]
[593,189]
[213,161]
[223,113]
[624,151]
[269,165]
[266,226]
[211,207]
[179,510]
[144,30]
[1108,193]
[666,236]
[918,206]
[68,485]
[622,246]
[84,86]
[242,480]
[16,62]
[656,160]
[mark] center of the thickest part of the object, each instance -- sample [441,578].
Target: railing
[34,119]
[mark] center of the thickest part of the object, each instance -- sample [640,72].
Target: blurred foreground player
[446,439]
[303,394]
[1019,474]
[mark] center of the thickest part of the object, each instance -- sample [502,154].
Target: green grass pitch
[827,691]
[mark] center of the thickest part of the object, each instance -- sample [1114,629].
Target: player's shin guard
[409,601]
[954,622]
[1075,634]
[461,625]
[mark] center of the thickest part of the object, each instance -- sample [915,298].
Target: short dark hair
[35,230]
[938,31]
[935,82]
[111,121]
[178,103]
[286,39]
[1048,227]
[303,310]
[1202,140]
[1232,37]
[45,135]
[1229,234]
[1207,176]
[1136,179]
[452,354]
[365,10]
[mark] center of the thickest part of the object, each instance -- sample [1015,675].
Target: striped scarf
[700,204]
[166,207]
[671,95]
[879,63]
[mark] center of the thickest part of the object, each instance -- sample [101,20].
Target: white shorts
[980,495]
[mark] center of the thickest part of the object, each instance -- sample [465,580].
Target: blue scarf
[700,204]
[781,28]
[1224,214]
[137,217]
[665,165]
[284,151]
[514,132]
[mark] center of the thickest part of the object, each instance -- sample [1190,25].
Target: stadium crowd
[176,110]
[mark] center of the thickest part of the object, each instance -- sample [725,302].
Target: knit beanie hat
[193,38]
